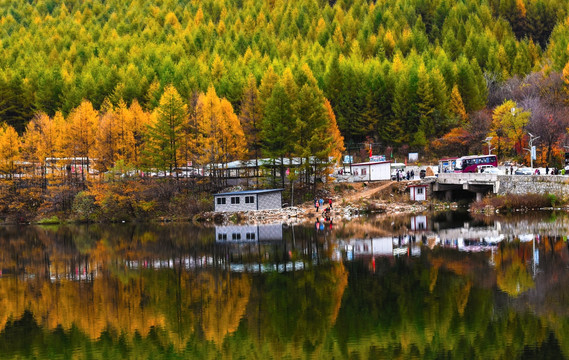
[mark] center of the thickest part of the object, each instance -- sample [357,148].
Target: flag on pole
[370,152]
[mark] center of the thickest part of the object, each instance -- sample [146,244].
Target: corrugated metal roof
[248,192]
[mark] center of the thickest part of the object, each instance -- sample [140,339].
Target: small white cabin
[372,171]
[418,192]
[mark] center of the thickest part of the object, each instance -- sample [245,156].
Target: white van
[482,168]
[396,167]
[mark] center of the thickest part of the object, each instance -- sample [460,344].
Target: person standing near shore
[316,204]
[330,202]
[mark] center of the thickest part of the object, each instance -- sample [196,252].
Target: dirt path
[367,193]
[362,193]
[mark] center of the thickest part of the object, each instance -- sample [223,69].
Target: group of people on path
[401,175]
[319,203]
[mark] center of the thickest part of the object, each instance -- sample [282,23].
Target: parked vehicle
[469,164]
[482,168]
[492,170]
[395,167]
[524,171]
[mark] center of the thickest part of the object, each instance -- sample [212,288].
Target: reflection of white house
[419,223]
[374,246]
[237,233]
[248,200]
[371,171]
[418,192]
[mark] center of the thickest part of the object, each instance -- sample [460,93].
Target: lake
[429,286]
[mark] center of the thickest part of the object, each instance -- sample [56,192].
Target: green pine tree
[165,134]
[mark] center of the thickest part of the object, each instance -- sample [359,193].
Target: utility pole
[531,152]
[490,148]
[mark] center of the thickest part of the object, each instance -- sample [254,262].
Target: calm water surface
[434,286]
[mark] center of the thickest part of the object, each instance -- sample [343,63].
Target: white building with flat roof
[248,200]
[371,171]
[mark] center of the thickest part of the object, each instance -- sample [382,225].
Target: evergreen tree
[277,129]
[426,104]
[164,134]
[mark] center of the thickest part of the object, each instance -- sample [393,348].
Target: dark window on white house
[221,236]
[236,236]
[249,199]
[235,200]
[250,236]
[220,201]
[364,171]
[420,191]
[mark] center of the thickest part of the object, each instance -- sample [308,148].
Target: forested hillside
[400,72]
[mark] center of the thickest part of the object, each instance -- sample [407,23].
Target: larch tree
[137,125]
[277,130]
[106,139]
[124,132]
[220,135]
[426,104]
[80,132]
[208,115]
[164,133]
[9,149]
[232,138]
[40,140]
[457,106]
[440,102]
[313,139]
[250,117]
[337,146]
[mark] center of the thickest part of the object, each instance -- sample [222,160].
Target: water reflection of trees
[109,285]
[104,291]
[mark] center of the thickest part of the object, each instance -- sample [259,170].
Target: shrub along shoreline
[124,200]
[510,203]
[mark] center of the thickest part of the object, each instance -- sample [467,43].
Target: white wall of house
[230,202]
[371,171]
[235,202]
[272,200]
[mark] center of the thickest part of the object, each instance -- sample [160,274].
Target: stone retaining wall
[534,184]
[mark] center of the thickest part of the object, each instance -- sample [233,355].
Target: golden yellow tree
[220,136]
[232,136]
[337,147]
[508,126]
[137,121]
[9,149]
[79,135]
[457,106]
[41,139]
[125,137]
[106,138]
